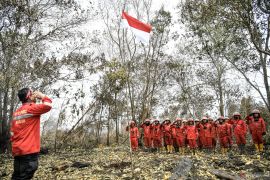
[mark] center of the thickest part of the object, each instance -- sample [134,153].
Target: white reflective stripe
[22,116]
[47,104]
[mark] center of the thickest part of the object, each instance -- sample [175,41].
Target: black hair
[22,94]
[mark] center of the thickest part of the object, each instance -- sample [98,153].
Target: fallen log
[225,175]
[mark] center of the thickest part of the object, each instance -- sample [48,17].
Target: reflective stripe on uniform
[22,116]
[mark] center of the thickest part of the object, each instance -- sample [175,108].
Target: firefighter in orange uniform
[167,135]
[25,132]
[147,138]
[257,129]
[134,135]
[156,135]
[192,135]
[223,130]
[240,131]
[179,133]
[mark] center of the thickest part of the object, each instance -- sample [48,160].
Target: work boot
[172,148]
[222,150]
[168,148]
[257,148]
[261,147]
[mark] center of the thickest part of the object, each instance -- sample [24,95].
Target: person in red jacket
[240,131]
[178,133]
[257,129]
[229,122]
[147,139]
[213,132]
[198,125]
[223,131]
[205,134]
[157,135]
[25,132]
[134,135]
[192,135]
[167,135]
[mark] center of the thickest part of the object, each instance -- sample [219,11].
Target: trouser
[257,138]
[180,141]
[134,143]
[240,139]
[192,143]
[208,142]
[25,166]
[224,143]
[147,142]
[214,142]
[157,143]
[168,140]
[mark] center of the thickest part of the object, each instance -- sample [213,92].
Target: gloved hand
[264,133]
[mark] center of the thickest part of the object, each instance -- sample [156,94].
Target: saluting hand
[38,95]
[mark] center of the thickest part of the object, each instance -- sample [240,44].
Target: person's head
[167,121]
[256,113]
[132,123]
[25,95]
[156,122]
[204,120]
[236,116]
[221,120]
[190,122]
[147,122]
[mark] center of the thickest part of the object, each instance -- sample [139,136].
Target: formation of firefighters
[200,134]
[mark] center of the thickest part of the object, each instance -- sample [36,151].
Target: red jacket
[167,130]
[214,130]
[146,130]
[240,127]
[156,131]
[192,132]
[178,132]
[224,130]
[134,132]
[25,127]
[257,127]
[205,130]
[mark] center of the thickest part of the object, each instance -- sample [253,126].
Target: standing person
[147,139]
[229,122]
[205,134]
[257,129]
[199,140]
[134,135]
[25,132]
[179,133]
[157,135]
[167,135]
[223,130]
[213,133]
[240,131]
[192,135]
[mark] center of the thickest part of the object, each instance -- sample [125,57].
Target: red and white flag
[140,30]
